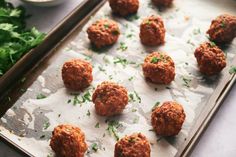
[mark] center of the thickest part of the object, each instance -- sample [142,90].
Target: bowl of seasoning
[44,3]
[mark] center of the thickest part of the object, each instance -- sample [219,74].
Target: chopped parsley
[41,96]
[196,31]
[88,113]
[46,125]
[129,36]
[94,147]
[155,60]
[115,32]
[131,78]
[223,25]
[133,97]
[155,106]
[101,69]
[186,81]
[41,137]
[97,125]
[106,26]
[232,70]
[82,99]
[122,47]
[212,44]
[112,128]
[132,140]
[132,17]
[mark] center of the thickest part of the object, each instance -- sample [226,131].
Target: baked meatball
[77,74]
[135,145]
[103,33]
[167,120]
[223,29]
[162,3]
[159,68]
[68,141]
[110,99]
[152,31]
[210,58]
[124,7]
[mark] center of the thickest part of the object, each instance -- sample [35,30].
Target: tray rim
[215,101]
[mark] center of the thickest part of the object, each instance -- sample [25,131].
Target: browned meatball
[152,31]
[162,3]
[77,74]
[124,7]
[68,141]
[223,29]
[135,145]
[103,33]
[110,99]
[167,120]
[159,68]
[211,59]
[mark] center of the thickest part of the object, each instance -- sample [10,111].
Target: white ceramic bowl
[44,3]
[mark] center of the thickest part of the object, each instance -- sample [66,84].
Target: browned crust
[211,59]
[110,99]
[167,120]
[77,74]
[152,31]
[68,141]
[223,29]
[124,7]
[161,72]
[135,145]
[103,33]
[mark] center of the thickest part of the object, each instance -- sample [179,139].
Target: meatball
[103,33]
[167,120]
[77,74]
[135,145]
[110,99]
[210,58]
[159,68]
[162,3]
[152,31]
[223,29]
[124,7]
[68,141]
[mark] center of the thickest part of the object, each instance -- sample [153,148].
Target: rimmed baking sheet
[30,121]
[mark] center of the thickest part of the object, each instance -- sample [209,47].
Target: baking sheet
[30,121]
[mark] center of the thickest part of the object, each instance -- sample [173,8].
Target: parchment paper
[30,122]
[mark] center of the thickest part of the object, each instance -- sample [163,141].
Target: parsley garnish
[155,60]
[212,44]
[46,125]
[122,47]
[106,26]
[41,96]
[112,128]
[155,106]
[232,70]
[94,147]
[187,81]
[97,125]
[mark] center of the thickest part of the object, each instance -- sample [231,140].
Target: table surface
[217,141]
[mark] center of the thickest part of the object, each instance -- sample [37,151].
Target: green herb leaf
[155,60]
[41,96]
[232,70]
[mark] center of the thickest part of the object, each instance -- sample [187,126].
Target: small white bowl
[44,3]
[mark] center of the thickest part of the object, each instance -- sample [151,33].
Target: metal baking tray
[216,88]
[54,36]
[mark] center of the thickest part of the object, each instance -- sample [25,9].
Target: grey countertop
[217,141]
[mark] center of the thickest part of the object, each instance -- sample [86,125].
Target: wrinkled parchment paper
[30,121]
